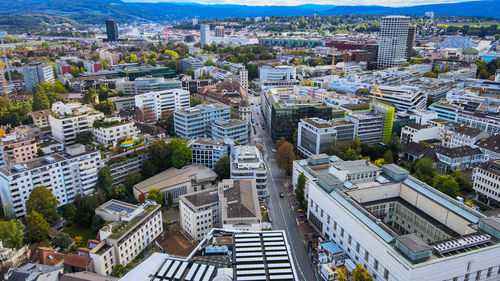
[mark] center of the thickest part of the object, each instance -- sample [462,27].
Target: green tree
[190,72]
[148,169]
[68,212]
[83,137]
[104,178]
[40,99]
[193,101]
[222,168]
[464,185]
[43,202]
[170,200]
[286,156]
[11,233]
[131,179]
[89,96]
[37,228]
[160,155]
[172,55]
[97,223]
[431,74]
[181,153]
[446,185]
[209,62]
[425,170]
[155,195]
[105,107]
[300,190]
[62,240]
[118,271]
[360,274]
[388,157]
[85,210]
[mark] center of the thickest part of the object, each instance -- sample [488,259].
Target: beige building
[41,118]
[177,182]
[234,205]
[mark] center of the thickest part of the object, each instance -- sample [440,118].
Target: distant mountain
[96,11]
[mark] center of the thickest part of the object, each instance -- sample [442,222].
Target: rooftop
[204,197]
[317,122]
[242,200]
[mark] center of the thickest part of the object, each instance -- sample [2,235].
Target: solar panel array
[183,270]
[119,208]
[258,256]
[461,243]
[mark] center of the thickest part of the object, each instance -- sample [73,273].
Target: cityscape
[219,141]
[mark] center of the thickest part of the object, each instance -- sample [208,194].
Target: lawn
[85,233]
[471,24]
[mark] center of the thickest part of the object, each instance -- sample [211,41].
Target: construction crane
[335,52]
[375,92]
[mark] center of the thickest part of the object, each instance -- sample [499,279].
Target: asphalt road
[280,209]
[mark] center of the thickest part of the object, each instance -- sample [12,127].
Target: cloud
[389,3]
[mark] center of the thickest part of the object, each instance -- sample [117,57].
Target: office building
[445,110]
[174,100]
[403,98]
[69,120]
[417,133]
[109,130]
[191,63]
[151,71]
[124,102]
[487,183]
[386,111]
[276,76]
[488,123]
[112,30]
[242,254]
[66,174]
[457,42]
[233,205]
[92,66]
[346,131]
[144,85]
[410,41]
[232,129]
[123,164]
[490,147]
[392,41]
[398,227]
[208,152]
[466,136]
[290,43]
[219,31]
[128,231]
[205,34]
[314,136]
[194,122]
[369,126]
[247,162]
[177,182]
[37,74]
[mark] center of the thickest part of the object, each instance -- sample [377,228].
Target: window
[375,264]
[478,275]
[349,240]
[357,247]
[341,232]
[489,272]
[366,255]
[467,277]
[386,274]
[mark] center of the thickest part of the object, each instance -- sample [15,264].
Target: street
[280,209]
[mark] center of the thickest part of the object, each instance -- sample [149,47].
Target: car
[300,212]
[282,195]
[273,150]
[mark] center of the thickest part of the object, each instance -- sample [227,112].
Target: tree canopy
[11,233]
[43,202]
[286,156]
[37,228]
[155,195]
[222,168]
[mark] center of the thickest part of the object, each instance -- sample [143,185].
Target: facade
[41,117]
[205,34]
[144,85]
[444,110]
[247,162]
[487,123]
[65,174]
[37,74]
[392,41]
[417,133]
[346,131]
[314,136]
[177,182]
[290,43]
[279,74]
[125,102]
[487,183]
[174,99]
[126,163]
[457,158]
[109,130]
[194,122]
[131,228]
[219,31]
[17,146]
[410,41]
[191,63]
[233,129]
[403,98]
[400,228]
[208,152]
[112,30]
[234,204]
[369,126]
[68,120]
[466,136]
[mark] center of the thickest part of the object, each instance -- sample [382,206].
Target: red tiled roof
[46,256]
[77,261]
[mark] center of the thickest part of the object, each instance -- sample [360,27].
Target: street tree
[37,227]
[286,156]
[43,202]
[300,190]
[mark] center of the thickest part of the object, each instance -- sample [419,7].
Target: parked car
[273,150]
[282,195]
[300,212]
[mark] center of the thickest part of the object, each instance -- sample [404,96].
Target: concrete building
[36,272]
[109,130]
[247,162]
[17,145]
[466,136]
[194,122]
[444,110]
[234,204]
[346,131]
[400,228]
[490,147]
[369,126]
[233,129]
[488,123]
[112,30]
[461,158]
[392,41]
[125,102]
[219,31]
[65,174]
[68,120]
[123,164]
[403,98]
[174,99]
[191,63]
[314,136]
[205,34]
[410,41]
[144,85]
[177,182]
[417,133]
[41,118]
[37,74]
[487,183]
[130,230]
[208,152]
[278,74]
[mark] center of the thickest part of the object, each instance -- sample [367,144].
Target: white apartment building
[131,229]
[208,152]
[487,123]
[402,229]
[314,136]
[154,84]
[68,120]
[194,122]
[490,147]
[173,99]
[403,98]
[233,129]
[205,37]
[37,74]
[487,183]
[279,75]
[417,133]
[392,41]
[466,136]
[247,162]
[234,204]
[110,130]
[65,174]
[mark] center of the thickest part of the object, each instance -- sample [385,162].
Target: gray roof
[330,180]
[414,243]
[31,271]
[356,166]
[395,169]
[492,221]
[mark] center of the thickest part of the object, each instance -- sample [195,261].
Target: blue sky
[391,3]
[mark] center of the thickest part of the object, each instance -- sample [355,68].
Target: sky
[391,3]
